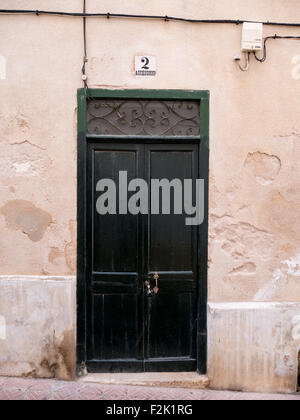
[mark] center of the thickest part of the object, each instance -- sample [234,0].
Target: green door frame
[83,95]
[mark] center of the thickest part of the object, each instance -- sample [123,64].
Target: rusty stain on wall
[67,350]
[265,168]
[58,357]
[25,216]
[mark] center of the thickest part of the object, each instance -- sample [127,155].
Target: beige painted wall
[254,252]
[255,133]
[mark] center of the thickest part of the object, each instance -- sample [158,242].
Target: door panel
[115,326]
[169,325]
[112,232]
[170,240]
[115,306]
[172,253]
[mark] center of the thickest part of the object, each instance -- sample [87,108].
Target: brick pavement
[44,389]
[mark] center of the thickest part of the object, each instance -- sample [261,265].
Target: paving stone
[37,396]
[40,386]
[88,392]
[64,393]
[12,395]
[20,383]
[114,392]
[141,393]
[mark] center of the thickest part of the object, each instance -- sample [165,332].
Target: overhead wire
[165,18]
[141,16]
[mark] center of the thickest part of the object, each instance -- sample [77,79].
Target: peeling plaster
[20,168]
[241,240]
[23,159]
[265,168]
[17,130]
[293,266]
[247,268]
[23,215]
[290,267]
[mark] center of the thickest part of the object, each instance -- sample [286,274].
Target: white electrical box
[252,37]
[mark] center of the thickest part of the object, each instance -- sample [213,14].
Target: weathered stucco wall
[255,132]
[254,251]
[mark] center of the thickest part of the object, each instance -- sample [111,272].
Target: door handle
[156,277]
[154,291]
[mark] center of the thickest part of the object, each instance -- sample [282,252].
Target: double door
[142,269]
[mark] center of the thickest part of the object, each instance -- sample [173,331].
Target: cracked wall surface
[254,229]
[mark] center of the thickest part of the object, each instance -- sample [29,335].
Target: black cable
[152,17]
[263,59]
[84,76]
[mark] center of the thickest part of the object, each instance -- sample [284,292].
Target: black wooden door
[127,329]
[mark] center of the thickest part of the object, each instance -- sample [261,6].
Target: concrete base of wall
[38,326]
[254,346]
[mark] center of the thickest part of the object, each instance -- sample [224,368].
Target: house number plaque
[145,66]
